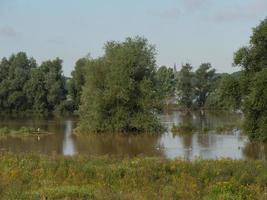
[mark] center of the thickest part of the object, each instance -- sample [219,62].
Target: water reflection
[255,151]
[119,144]
[199,144]
[68,142]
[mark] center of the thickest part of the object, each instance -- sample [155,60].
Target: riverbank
[57,177]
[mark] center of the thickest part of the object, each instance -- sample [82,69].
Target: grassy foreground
[56,177]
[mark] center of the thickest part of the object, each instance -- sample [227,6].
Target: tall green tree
[14,73]
[54,83]
[166,81]
[78,80]
[229,91]
[256,107]
[35,90]
[204,83]
[120,92]
[185,88]
[253,60]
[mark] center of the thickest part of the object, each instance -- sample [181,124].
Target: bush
[120,93]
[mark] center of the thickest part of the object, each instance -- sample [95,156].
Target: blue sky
[193,31]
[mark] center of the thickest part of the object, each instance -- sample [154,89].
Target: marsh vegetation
[39,177]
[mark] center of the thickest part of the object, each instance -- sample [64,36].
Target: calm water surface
[200,144]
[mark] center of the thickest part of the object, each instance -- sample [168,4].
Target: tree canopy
[185,90]
[204,83]
[193,88]
[120,92]
[24,86]
[77,81]
[253,60]
[166,81]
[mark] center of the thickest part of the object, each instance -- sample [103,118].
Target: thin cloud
[8,31]
[242,12]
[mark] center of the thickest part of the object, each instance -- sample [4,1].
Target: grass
[57,177]
[22,132]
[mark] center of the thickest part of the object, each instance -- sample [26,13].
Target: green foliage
[166,81]
[194,88]
[54,83]
[39,177]
[78,81]
[14,73]
[120,92]
[256,106]
[229,92]
[230,191]
[253,60]
[35,91]
[204,83]
[185,90]
[26,87]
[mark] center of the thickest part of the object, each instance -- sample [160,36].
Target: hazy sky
[193,31]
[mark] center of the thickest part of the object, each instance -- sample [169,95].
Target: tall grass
[43,177]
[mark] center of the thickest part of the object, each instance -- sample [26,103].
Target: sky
[183,31]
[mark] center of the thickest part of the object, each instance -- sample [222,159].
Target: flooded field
[215,136]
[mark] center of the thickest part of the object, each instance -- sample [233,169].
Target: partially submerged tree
[166,82]
[120,92]
[185,89]
[204,83]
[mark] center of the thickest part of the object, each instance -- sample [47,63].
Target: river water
[211,140]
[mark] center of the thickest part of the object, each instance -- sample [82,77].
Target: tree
[256,108]
[185,90]
[35,90]
[229,92]
[14,73]
[78,81]
[166,81]
[54,83]
[204,83]
[120,93]
[253,60]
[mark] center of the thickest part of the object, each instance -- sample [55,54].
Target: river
[207,142]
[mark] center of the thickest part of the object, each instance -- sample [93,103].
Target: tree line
[127,71]
[27,87]
[123,90]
